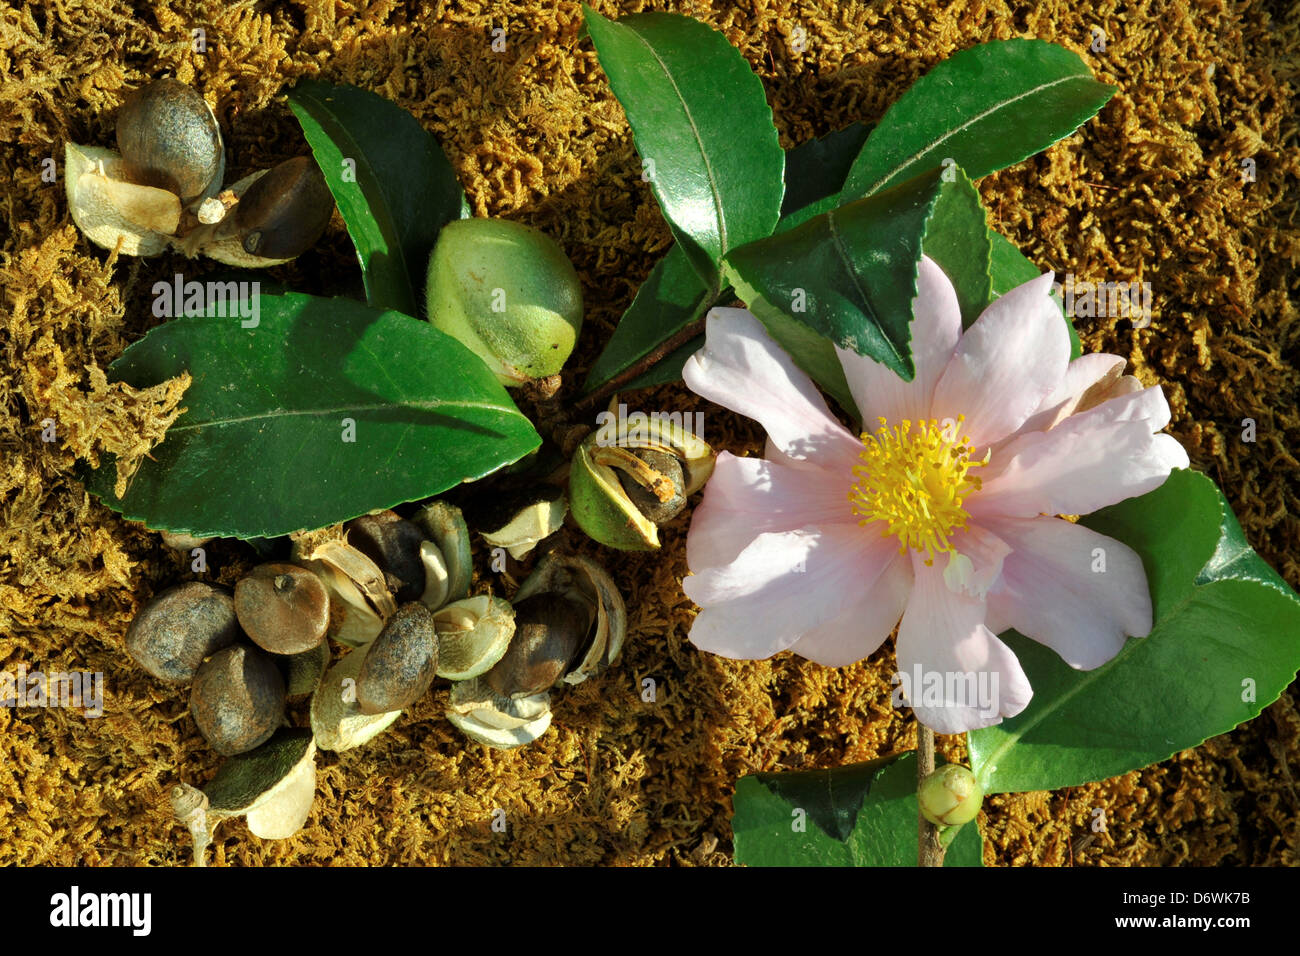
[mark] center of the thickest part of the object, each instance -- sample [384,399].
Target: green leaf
[1009,267]
[669,368]
[858,815]
[985,108]
[1227,627]
[671,298]
[699,114]
[816,169]
[262,449]
[849,275]
[402,191]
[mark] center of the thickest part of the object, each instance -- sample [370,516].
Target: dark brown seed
[400,665]
[648,504]
[393,543]
[168,138]
[177,629]
[283,213]
[550,632]
[237,699]
[283,608]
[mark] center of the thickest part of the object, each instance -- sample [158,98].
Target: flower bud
[508,293]
[950,796]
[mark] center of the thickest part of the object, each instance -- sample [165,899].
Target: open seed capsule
[473,634]
[495,721]
[169,139]
[623,484]
[360,600]
[394,544]
[237,699]
[444,527]
[337,722]
[587,585]
[550,631]
[400,664]
[178,628]
[519,521]
[284,608]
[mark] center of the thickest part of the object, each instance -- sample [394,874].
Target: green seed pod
[621,486]
[950,796]
[508,293]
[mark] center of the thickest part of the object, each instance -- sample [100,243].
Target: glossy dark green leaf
[849,275]
[1225,644]
[1009,267]
[985,108]
[699,114]
[859,815]
[263,448]
[394,195]
[668,369]
[674,296]
[671,298]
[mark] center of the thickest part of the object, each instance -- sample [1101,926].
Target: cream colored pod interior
[113,213]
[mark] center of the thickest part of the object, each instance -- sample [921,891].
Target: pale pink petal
[977,562]
[943,639]
[1068,587]
[1080,375]
[1093,459]
[782,586]
[877,389]
[1012,357]
[743,369]
[861,628]
[746,497]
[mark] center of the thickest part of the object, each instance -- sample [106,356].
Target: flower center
[915,481]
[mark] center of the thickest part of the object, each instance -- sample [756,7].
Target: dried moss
[1151,191]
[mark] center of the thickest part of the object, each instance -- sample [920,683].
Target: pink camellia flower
[944,513]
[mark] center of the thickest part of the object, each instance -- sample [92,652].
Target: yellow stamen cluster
[915,482]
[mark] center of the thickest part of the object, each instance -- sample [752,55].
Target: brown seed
[177,629]
[283,213]
[237,699]
[400,665]
[168,138]
[647,503]
[285,609]
[393,543]
[550,632]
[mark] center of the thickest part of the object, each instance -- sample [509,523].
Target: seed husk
[550,631]
[178,628]
[237,699]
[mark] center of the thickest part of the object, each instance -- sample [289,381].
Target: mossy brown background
[1150,190]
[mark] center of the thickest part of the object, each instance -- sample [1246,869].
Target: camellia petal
[1082,374]
[743,369]
[1011,358]
[877,389]
[1070,588]
[746,497]
[781,587]
[860,629]
[957,675]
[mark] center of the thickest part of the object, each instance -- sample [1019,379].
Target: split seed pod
[284,608]
[473,634]
[519,521]
[177,629]
[400,664]
[360,600]
[496,721]
[550,631]
[394,544]
[589,587]
[337,722]
[658,458]
[446,534]
[273,786]
[237,699]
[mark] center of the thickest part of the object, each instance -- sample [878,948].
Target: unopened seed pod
[950,796]
[169,139]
